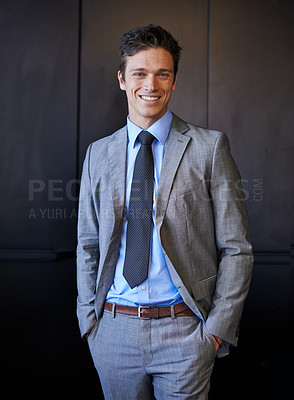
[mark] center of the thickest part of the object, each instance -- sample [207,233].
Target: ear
[175,82]
[121,81]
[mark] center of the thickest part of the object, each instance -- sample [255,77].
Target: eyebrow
[144,70]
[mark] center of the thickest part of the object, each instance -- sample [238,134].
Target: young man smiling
[164,258]
[149,81]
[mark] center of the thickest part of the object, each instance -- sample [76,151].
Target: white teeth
[148,98]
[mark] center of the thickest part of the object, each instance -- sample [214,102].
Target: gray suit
[201,221]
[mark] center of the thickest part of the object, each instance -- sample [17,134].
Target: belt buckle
[140,308]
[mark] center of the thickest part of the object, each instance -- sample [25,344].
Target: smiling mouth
[150,98]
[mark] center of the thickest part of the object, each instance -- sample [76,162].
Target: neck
[145,122]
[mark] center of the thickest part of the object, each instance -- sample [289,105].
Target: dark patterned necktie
[140,214]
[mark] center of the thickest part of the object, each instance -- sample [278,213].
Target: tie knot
[145,138]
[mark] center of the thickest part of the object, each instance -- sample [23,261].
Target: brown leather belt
[180,310]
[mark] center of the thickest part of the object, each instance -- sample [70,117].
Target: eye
[139,74]
[164,75]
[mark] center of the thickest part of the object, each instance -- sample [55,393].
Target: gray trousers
[159,359]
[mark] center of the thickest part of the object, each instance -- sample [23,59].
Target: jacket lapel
[175,148]
[117,150]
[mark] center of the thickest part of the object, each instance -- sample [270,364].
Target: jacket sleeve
[233,244]
[87,252]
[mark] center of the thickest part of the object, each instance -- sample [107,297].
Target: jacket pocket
[204,288]
[94,330]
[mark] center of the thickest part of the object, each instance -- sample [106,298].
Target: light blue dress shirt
[158,289]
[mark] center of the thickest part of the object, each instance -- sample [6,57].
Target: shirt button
[143,288]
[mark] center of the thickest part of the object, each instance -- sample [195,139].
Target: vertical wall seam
[78,110]
[208,63]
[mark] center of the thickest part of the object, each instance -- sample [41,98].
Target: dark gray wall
[251,97]
[59,92]
[38,100]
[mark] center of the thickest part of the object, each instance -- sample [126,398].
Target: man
[164,258]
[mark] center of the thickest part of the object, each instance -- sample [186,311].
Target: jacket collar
[175,147]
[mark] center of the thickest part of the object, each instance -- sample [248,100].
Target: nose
[150,83]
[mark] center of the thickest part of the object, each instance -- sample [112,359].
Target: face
[149,83]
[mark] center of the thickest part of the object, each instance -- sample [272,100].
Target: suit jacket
[201,220]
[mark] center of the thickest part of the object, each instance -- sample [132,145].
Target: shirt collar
[160,128]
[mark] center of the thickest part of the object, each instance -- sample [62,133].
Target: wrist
[217,339]
[85,337]
[217,342]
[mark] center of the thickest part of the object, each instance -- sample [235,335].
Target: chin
[153,113]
